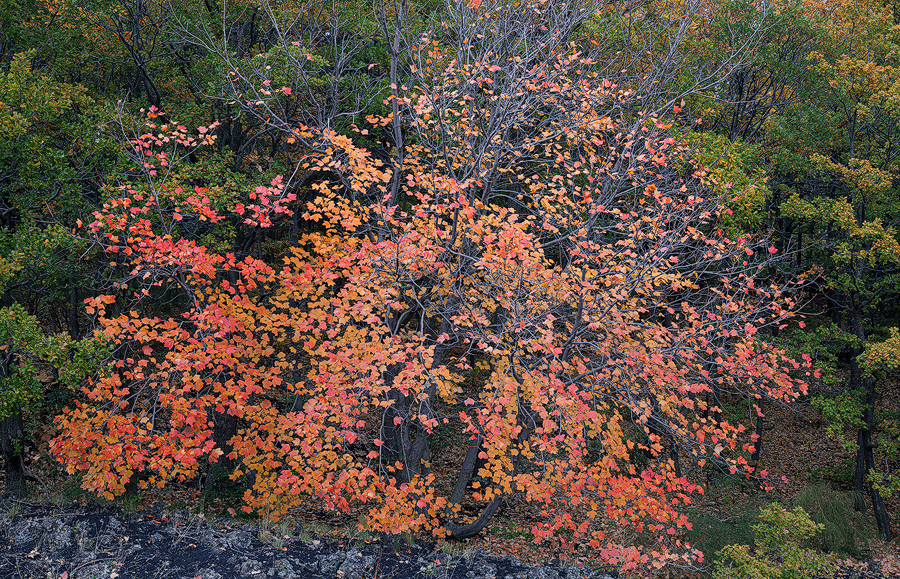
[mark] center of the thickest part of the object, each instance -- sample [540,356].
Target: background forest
[603,266]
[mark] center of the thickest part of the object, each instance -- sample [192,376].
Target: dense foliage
[297,245]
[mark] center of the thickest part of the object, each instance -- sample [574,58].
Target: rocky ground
[77,541]
[95,542]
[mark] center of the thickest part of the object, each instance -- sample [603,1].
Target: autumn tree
[542,269]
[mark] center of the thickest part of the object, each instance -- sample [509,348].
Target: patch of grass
[11,514]
[360,538]
[308,531]
[131,503]
[69,490]
[178,505]
[274,535]
[408,539]
[133,499]
[398,541]
[846,532]
[434,569]
[456,549]
[712,530]
[305,536]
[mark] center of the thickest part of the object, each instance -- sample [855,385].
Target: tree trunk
[865,458]
[74,307]
[673,454]
[465,474]
[866,452]
[396,424]
[393,428]
[224,428]
[459,532]
[475,527]
[12,443]
[859,475]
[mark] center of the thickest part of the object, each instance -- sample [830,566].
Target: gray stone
[352,567]
[482,570]
[54,530]
[239,539]
[284,570]
[25,531]
[329,564]
[98,570]
[58,532]
[542,573]
[249,566]
[107,541]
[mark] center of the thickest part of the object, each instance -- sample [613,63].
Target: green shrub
[845,531]
[777,552]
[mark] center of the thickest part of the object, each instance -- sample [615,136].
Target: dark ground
[96,542]
[92,541]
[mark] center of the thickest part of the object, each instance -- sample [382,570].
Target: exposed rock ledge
[95,542]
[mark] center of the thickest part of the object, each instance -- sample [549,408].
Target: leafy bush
[844,531]
[777,552]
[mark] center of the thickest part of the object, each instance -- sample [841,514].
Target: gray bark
[12,443]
